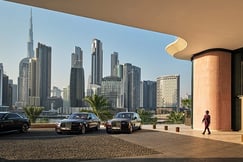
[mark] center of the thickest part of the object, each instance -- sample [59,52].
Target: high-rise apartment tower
[97,62]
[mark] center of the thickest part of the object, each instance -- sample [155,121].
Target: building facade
[168,93]
[148,95]
[130,88]
[77,84]
[43,73]
[110,89]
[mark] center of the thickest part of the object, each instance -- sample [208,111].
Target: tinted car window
[125,115]
[12,116]
[78,116]
[94,116]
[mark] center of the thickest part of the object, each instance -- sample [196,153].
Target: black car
[78,123]
[124,122]
[10,122]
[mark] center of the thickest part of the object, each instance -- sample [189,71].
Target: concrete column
[212,89]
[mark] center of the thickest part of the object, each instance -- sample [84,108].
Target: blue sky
[63,32]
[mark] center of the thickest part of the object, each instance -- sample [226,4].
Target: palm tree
[33,112]
[99,106]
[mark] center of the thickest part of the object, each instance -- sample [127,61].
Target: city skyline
[139,47]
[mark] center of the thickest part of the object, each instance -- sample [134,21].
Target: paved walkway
[225,136]
[187,145]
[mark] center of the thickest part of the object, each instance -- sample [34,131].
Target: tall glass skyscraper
[77,84]
[23,93]
[97,62]
[43,73]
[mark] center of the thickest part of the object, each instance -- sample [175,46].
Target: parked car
[124,122]
[78,123]
[10,122]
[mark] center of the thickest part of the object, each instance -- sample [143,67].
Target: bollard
[154,126]
[166,127]
[177,129]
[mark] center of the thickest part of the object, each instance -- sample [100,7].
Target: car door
[5,124]
[14,121]
[8,123]
[94,120]
[89,121]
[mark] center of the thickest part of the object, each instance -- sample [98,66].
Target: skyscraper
[77,86]
[130,89]
[43,73]
[24,69]
[34,98]
[114,64]
[110,89]
[1,84]
[30,44]
[148,95]
[13,88]
[168,93]
[97,62]
[6,99]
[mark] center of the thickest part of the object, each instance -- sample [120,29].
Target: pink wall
[212,89]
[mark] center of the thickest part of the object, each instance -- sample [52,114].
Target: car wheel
[140,127]
[24,128]
[83,129]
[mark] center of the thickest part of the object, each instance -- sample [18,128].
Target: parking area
[43,144]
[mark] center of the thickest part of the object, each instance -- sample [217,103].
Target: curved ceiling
[199,24]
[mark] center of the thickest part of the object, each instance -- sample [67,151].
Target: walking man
[206,120]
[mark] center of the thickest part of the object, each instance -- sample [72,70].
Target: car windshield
[124,115]
[78,116]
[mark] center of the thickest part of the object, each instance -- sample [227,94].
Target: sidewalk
[225,136]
